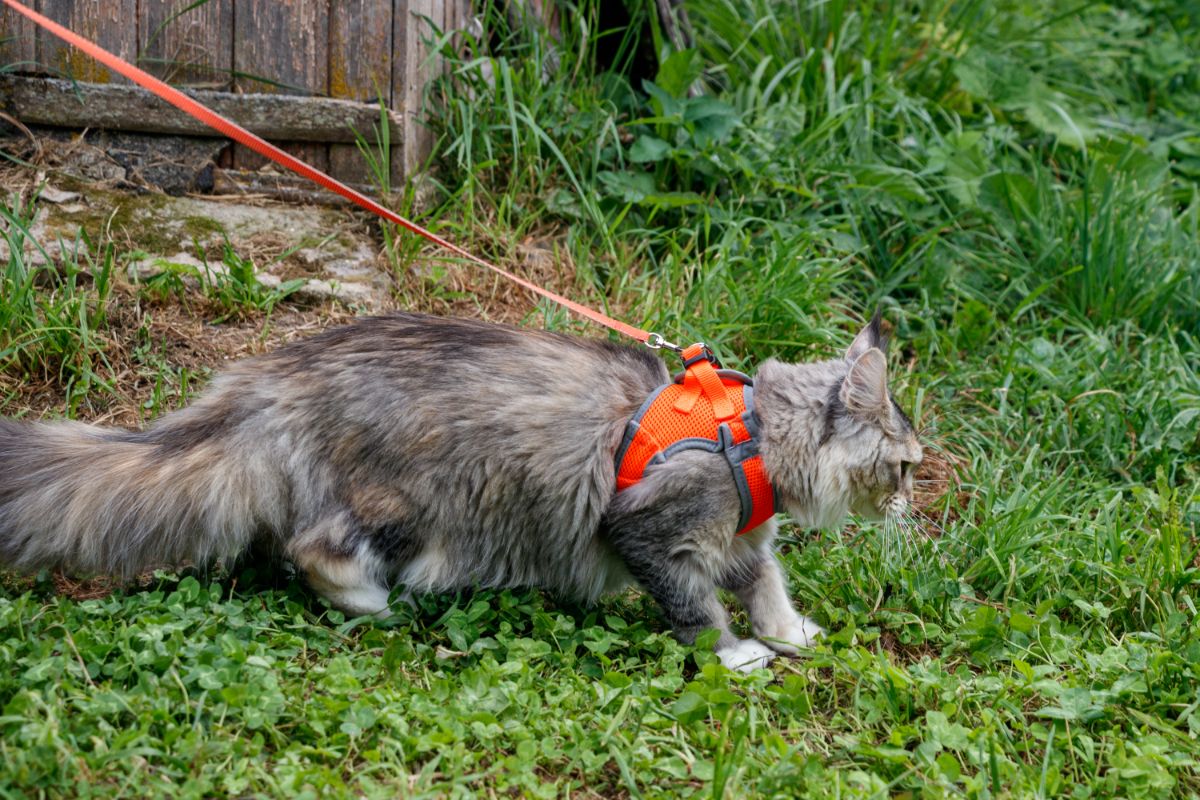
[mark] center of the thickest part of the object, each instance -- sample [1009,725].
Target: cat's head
[835,441]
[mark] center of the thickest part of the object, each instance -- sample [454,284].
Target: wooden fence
[351,50]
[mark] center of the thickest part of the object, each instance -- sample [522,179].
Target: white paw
[746,656]
[800,632]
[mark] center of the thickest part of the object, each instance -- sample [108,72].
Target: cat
[445,454]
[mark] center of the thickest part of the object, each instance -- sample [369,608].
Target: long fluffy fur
[103,501]
[458,452]
[444,454]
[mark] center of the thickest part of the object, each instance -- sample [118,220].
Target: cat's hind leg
[341,566]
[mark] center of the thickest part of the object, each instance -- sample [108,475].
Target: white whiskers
[907,533]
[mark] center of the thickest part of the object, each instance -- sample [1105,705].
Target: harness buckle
[704,353]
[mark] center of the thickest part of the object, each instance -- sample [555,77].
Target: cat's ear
[864,392]
[870,336]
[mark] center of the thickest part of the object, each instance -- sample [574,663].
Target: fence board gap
[186,44]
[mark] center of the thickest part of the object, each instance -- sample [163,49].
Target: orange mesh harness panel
[706,409]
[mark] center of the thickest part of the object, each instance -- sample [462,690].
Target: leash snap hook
[655,341]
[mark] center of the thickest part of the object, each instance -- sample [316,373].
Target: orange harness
[705,408]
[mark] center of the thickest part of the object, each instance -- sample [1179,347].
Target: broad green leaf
[648,149]
[679,71]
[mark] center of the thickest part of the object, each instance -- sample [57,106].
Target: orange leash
[240,134]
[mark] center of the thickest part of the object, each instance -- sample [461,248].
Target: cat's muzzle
[894,504]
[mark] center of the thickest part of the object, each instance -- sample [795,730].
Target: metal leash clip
[655,341]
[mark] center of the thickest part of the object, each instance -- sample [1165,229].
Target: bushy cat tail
[92,500]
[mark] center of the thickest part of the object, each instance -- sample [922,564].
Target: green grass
[1014,183]
[51,317]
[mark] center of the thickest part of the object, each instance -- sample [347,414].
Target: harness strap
[702,378]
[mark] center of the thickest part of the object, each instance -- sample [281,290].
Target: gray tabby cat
[445,454]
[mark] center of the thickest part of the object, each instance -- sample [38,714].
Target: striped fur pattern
[439,454]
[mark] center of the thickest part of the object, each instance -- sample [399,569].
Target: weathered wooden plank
[360,68]
[285,44]
[291,188]
[315,154]
[186,44]
[110,23]
[458,17]
[412,70]
[360,49]
[47,101]
[452,13]
[18,41]
[282,47]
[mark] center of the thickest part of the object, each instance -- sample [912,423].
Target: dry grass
[179,337]
[940,474]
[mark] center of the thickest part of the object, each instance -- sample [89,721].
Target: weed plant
[232,285]
[1015,184]
[52,320]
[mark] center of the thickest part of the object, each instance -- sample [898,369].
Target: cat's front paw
[799,632]
[746,656]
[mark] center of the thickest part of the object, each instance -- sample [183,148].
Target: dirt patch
[443,285]
[75,191]
[84,589]
[938,483]
[903,653]
[157,354]
[340,253]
